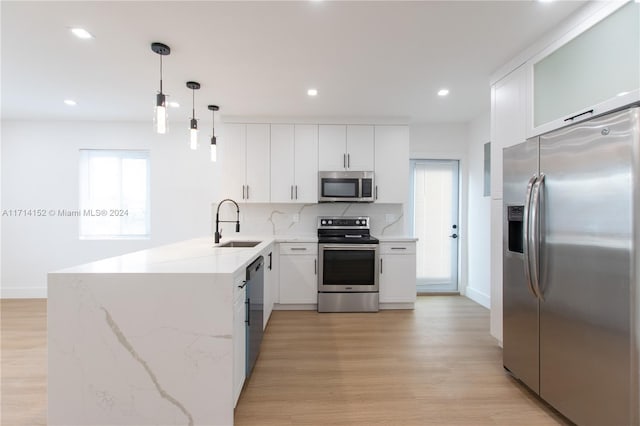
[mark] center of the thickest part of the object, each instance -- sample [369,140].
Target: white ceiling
[367,59]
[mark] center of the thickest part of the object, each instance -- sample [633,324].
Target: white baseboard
[23,292]
[478,297]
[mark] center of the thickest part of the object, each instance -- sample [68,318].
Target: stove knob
[323,222]
[330,222]
[357,222]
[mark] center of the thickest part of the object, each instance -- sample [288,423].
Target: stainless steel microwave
[349,187]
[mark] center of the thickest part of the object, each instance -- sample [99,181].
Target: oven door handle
[348,246]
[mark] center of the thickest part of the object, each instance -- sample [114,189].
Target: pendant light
[160,116]
[193,128]
[214,154]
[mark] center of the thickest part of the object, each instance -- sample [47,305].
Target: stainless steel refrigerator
[571,262]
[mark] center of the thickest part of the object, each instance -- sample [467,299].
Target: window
[114,194]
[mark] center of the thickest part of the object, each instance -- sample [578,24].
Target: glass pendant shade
[214,149]
[160,116]
[193,134]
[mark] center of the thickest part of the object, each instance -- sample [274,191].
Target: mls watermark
[65,212]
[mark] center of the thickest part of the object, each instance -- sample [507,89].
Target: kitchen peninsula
[146,338]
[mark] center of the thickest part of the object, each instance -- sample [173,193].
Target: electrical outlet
[296,218]
[390,217]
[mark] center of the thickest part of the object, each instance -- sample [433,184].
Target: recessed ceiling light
[174,104]
[545,1]
[312,92]
[70,102]
[81,33]
[443,92]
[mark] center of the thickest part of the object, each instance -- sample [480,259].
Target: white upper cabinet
[258,187]
[244,158]
[346,148]
[282,163]
[360,148]
[593,69]
[294,163]
[332,148]
[306,163]
[232,158]
[508,121]
[391,164]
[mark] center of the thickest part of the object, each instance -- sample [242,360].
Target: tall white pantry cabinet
[508,123]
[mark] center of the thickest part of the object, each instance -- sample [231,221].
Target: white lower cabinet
[398,272]
[239,335]
[298,273]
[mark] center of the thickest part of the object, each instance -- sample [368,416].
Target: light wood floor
[436,365]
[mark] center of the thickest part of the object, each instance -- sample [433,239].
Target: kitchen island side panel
[140,349]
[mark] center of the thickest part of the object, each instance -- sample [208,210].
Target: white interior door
[435,223]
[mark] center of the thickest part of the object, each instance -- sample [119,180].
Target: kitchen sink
[239,244]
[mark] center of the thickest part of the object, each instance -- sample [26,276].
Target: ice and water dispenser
[515,228]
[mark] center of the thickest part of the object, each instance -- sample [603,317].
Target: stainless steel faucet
[218,235]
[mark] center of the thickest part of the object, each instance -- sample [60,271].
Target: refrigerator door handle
[527,235]
[536,235]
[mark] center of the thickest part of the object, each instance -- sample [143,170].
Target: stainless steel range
[348,275]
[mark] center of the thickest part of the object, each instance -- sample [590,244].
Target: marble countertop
[196,256]
[396,239]
[296,238]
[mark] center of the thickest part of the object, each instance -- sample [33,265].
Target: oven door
[348,268]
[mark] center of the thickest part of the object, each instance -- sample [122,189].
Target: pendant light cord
[160,74]
[193,103]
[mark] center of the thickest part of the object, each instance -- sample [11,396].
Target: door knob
[454,235]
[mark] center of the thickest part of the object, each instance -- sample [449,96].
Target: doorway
[435,189]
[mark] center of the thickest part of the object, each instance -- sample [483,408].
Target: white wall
[447,141]
[40,171]
[478,223]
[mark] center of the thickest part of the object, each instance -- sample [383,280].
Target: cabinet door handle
[248,320]
[315,266]
[348,161]
[247,192]
[380,266]
[298,248]
[243,192]
[244,283]
[376,192]
[296,192]
[270,260]
[292,192]
[398,248]
[344,160]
